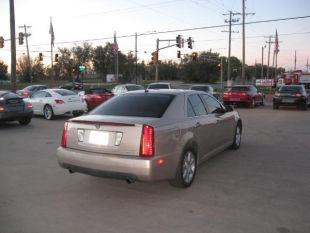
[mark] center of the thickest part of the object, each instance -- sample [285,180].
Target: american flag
[52,33]
[276,43]
[115,45]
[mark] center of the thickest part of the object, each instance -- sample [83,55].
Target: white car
[51,102]
[159,86]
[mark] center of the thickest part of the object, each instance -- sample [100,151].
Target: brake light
[64,138]
[59,101]
[277,94]
[2,109]
[26,93]
[298,95]
[29,105]
[147,148]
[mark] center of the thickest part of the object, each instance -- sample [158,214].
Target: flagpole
[51,47]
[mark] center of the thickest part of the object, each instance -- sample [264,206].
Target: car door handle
[197,125]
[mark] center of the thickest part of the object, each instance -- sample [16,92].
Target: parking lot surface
[262,187]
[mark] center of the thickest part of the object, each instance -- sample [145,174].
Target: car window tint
[190,110]
[212,104]
[134,88]
[292,89]
[158,86]
[64,92]
[240,88]
[136,105]
[29,88]
[197,104]
[39,94]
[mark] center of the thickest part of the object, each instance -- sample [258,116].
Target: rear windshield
[97,91]
[240,88]
[64,92]
[136,105]
[290,89]
[201,88]
[158,86]
[30,88]
[134,88]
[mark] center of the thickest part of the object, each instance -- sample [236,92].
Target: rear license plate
[100,138]
[288,101]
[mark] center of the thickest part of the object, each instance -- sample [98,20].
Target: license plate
[100,138]
[288,101]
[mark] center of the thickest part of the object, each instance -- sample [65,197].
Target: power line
[180,30]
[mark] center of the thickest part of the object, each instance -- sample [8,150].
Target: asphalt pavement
[264,187]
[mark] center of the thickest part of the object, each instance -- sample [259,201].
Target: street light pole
[136,57]
[13,46]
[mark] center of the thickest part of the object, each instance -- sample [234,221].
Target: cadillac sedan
[150,136]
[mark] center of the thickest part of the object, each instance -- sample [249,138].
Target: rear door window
[64,92]
[136,105]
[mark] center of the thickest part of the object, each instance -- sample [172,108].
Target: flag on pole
[115,45]
[51,31]
[276,43]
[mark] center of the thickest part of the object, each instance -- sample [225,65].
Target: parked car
[159,86]
[243,94]
[14,108]
[123,88]
[96,96]
[72,86]
[149,136]
[289,95]
[52,102]
[29,90]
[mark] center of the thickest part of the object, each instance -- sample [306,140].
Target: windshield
[240,88]
[158,86]
[134,88]
[136,105]
[293,89]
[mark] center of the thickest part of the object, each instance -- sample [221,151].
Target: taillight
[26,93]
[147,148]
[29,105]
[2,109]
[64,138]
[277,94]
[298,95]
[59,101]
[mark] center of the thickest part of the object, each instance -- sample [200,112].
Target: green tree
[22,69]
[3,71]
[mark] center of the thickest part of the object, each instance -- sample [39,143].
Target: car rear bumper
[15,115]
[69,108]
[289,101]
[116,166]
[237,100]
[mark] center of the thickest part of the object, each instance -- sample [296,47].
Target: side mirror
[229,108]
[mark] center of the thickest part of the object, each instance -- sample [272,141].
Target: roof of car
[159,83]
[165,91]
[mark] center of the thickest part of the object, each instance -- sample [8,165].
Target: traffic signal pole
[28,55]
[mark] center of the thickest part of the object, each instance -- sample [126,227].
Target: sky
[95,20]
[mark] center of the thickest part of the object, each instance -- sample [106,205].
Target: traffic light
[20,38]
[179,54]
[219,66]
[190,42]
[56,57]
[179,41]
[40,57]
[195,56]
[1,42]
[155,57]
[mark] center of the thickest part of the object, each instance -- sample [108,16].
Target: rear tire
[262,103]
[48,112]
[252,103]
[275,106]
[237,138]
[304,106]
[186,170]
[25,121]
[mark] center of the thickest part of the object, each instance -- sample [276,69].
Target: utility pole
[230,21]
[262,72]
[157,51]
[243,39]
[222,73]
[136,57]
[28,55]
[307,65]
[295,61]
[13,46]
[269,43]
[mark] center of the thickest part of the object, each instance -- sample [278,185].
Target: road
[263,187]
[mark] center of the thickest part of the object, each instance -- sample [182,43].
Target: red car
[95,97]
[243,94]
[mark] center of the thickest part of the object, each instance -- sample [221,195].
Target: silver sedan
[150,136]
